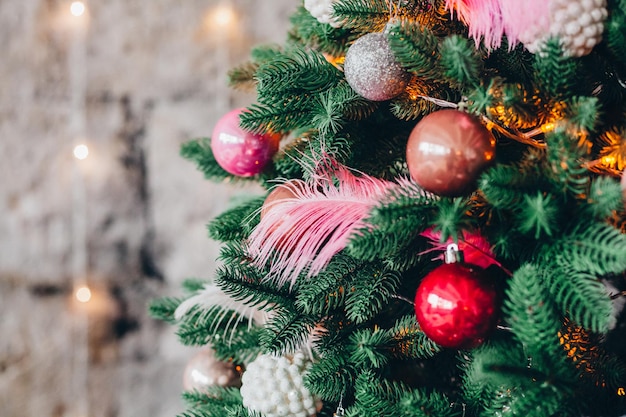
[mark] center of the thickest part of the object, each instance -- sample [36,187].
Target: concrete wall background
[155,77]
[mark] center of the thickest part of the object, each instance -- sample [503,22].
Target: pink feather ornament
[577,23]
[313,221]
[483,19]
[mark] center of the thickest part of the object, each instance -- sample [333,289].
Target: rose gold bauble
[205,370]
[447,151]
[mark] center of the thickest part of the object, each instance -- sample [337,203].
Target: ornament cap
[453,254]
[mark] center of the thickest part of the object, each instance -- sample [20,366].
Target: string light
[223,16]
[81,152]
[83,294]
[77,8]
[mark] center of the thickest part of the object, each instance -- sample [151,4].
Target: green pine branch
[558,76]
[236,223]
[362,15]
[582,297]
[376,396]
[332,376]
[295,72]
[164,308]
[420,403]
[394,223]
[614,34]
[199,151]
[286,331]
[410,342]
[370,292]
[533,317]
[307,30]
[460,62]
[326,293]
[596,248]
[415,47]
[213,395]
[370,348]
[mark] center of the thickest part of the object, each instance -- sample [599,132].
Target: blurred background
[98,212]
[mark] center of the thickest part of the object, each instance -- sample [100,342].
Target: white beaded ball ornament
[577,23]
[322,10]
[273,386]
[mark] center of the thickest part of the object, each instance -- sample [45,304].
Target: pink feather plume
[303,233]
[489,20]
[483,19]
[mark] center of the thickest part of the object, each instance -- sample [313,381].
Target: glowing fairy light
[77,8]
[83,294]
[81,152]
[223,16]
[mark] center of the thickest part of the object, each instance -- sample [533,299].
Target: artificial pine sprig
[362,15]
[228,226]
[307,30]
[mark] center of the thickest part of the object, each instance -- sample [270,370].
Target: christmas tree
[443,231]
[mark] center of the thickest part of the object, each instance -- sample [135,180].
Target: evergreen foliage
[550,207]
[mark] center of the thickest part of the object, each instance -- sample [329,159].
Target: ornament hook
[453,254]
[340,410]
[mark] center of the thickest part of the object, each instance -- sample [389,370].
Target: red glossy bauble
[447,151]
[457,305]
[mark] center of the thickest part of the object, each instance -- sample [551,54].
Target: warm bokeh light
[83,294]
[77,8]
[223,16]
[81,152]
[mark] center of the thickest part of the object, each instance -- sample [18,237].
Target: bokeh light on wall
[83,294]
[222,16]
[77,8]
[81,151]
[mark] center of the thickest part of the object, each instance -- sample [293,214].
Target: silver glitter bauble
[273,386]
[371,68]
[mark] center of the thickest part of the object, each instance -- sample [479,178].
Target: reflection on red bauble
[447,151]
[238,151]
[457,305]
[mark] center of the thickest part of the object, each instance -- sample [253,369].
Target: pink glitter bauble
[240,152]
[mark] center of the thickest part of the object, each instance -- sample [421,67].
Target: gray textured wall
[154,78]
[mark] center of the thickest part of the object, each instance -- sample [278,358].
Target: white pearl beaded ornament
[578,24]
[273,386]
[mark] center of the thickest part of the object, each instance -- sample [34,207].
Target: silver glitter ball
[371,68]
